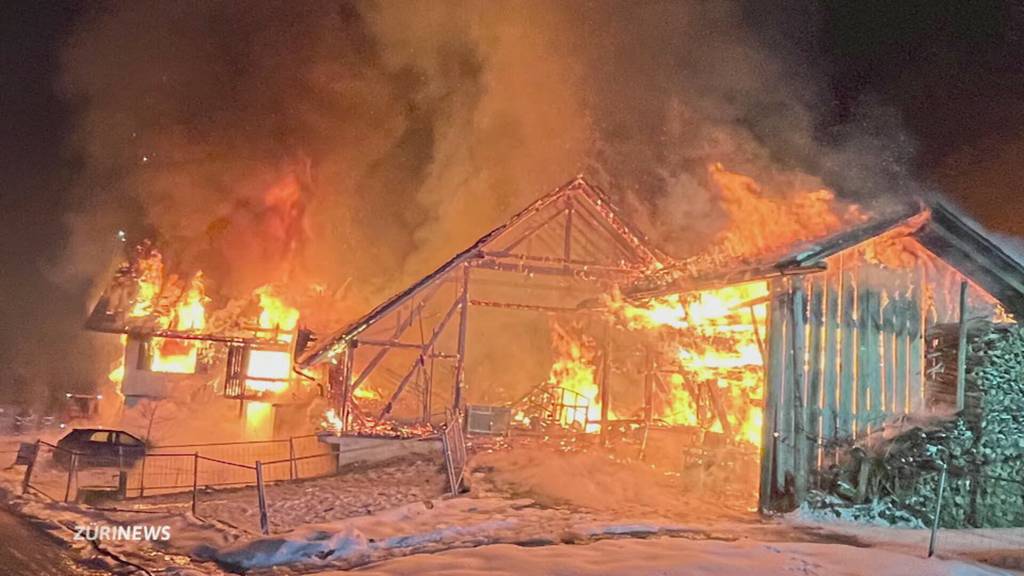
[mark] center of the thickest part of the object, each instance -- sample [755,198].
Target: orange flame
[270,370]
[572,374]
[331,421]
[177,356]
[762,224]
[718,354]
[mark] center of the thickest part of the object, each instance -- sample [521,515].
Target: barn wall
[847,351]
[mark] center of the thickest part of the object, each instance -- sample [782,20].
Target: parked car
[99,447]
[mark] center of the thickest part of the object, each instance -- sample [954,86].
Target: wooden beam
[460,365]
[418,363]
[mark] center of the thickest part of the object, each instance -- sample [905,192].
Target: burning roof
[936,226]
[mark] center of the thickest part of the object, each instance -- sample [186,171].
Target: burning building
[174,346]
[805,327]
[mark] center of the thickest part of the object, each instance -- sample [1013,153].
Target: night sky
[953,71]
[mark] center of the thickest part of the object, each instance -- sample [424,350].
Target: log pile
[895,471]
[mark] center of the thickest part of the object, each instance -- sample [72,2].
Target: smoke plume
[334,141]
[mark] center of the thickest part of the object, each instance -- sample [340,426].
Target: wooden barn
[852,326]
[840,328]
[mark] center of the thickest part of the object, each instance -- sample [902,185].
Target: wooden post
[799,438]
[291,458]
[649,385]
[71,473]
[262,499]
[961,351]
[773,388]
[567,245]
[195,482]
[142,477]
[460,364]
[27,479]
[346,385]
[603,387]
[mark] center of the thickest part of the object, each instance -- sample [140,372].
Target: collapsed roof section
[574,231]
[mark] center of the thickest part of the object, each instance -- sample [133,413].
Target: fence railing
[214,479]
[68,475]
[453,442]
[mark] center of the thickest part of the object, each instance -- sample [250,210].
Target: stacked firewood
[982,447]
[998,376]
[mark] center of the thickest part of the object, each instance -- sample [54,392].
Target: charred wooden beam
[534,307]
[418,363]
[460,366]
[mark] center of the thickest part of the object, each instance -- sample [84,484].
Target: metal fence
[454,444]
[168,475]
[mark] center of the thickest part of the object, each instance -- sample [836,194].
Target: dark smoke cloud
[323,141]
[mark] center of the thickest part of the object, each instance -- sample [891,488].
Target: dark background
[953,71]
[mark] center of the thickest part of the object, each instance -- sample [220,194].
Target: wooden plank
[915,355]
[847,358]
[902,344]
[773,384]
[830,372]
[786,412]
[813,401]
[798,392]
[873,360]
[961,350]
[888,335]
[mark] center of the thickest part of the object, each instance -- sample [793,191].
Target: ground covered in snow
[531,509]
[674,556]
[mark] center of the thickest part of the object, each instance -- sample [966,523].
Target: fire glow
[270,370]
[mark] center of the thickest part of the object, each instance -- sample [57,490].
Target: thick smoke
[329,141]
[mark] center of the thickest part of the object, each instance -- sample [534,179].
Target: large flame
[573,377]
[270,370]
[717,355]
[177,356]
[762,224]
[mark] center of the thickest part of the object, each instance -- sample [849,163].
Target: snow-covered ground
[529,511]
[674,556]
